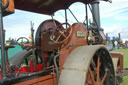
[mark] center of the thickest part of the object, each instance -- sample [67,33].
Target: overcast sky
[114,19]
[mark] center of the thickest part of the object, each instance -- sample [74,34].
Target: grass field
[125,59]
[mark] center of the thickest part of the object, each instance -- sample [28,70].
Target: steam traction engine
[63,54]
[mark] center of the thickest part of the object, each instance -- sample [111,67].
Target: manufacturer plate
[80,34]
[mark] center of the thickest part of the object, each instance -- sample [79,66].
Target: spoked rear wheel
[88,65]
[100,71]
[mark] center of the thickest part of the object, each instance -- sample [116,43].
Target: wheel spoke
[105,75]
[98,69]
[92,76]
[58,38]
[93,63]
[94,66]
[62,33]
[65,33]
[88,80]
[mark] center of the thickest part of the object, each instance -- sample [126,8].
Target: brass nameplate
[80,34]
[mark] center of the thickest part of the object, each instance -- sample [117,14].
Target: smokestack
[96,13]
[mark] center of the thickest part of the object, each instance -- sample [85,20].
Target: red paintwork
[0,75]
[45,58]
[28,44]
[39,67]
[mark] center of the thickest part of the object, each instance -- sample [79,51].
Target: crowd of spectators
[117,43]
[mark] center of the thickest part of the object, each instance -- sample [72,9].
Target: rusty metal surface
[46,6]
[76,66]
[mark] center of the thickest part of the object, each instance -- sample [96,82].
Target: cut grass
[125,63]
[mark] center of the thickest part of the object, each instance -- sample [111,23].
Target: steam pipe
[56,68]
[2,43]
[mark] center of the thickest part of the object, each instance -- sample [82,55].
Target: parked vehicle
[63,54]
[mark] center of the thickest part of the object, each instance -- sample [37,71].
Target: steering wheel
[63,33]
[22,40]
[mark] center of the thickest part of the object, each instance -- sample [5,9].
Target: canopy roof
[46,6]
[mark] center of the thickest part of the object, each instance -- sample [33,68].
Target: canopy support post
[73,15]
[2,43]
[66,20]
[86,9]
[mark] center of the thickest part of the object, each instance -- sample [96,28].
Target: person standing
[126,43]
[116,44]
